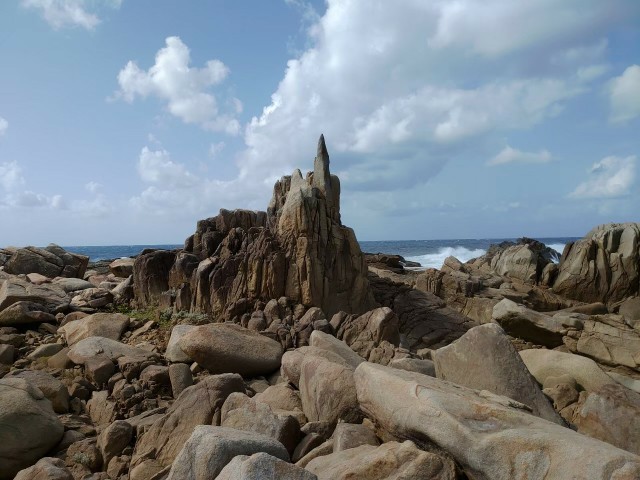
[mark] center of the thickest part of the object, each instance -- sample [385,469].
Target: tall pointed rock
[321,173]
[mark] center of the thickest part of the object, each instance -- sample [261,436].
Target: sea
[428,253]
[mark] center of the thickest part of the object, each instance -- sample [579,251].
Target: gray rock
[519,321]
[52,388]
[122,267]
[180,377]
[52,261]
[14,289]
[112,349]
[107,325]
[47,468]
[308,443]
[229,348]
[114,439]
[332,344]
[425,367]
[24,312]
[351,435]
[70,285]
[484,359]
[174,353]
[46,350]
[280,397]
[209,449]
[25,414]
[490,436]
[262,466]
[7,354]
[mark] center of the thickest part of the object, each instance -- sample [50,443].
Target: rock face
[29,428]
[262,466]
[298,249]
[602,267]
[486,435]
[52,261]
[484,359]
[230,348]
[107,325]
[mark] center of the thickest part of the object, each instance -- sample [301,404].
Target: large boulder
[90,347]
[209,449]
[611,414]
[392,460]
[29,427]
[484,359]
[544,364]
[197,405]
[522,322]
[107,325]
[491,437]
[151,275]
[25,312]
[47,468]
[52,388]
[602,267]
[15,289]
[262,466]
[174,353]
[230,348]
[52,261]
[122,267]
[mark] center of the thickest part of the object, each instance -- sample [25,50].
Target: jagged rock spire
[321,173]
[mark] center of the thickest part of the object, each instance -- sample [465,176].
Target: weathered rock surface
[602,267]
[24,312]
[197,405]
[47,468]
[122,267]
[230,348]
[484,359]
[392,460]
[262,466]
[544,364]
[52,261]
[519,321]
[25,414]
[52,388]
[611,414]
[174,353]
[209,449]
[352,435]
[107,325]
[486,435]
[13,290]
[89,347]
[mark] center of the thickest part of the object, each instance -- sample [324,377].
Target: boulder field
[271,347]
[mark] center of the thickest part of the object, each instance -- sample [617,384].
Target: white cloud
[3,126]
[609,178]
[69,13]
[93,187]
[185,89]
[216,148]
[11,176]
[624,95]
[512,155]
[400,88]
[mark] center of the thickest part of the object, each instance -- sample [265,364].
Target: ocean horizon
[429,253]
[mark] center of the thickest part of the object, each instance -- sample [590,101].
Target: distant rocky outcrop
[51,261]
[298,249]
[602,267]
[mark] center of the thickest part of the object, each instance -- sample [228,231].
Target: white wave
[558,247]
[436,259]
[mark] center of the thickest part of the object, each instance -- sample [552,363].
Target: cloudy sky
[126,121]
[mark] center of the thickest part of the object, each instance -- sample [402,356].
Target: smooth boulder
[262,466]
[107,325]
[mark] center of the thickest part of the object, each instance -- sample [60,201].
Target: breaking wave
[436,259]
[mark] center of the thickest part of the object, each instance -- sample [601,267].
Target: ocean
[429,253]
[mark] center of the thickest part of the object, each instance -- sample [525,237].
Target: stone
[327,391]
[630,310]
[602,267]
[262,466]
[114,439]
[180,377]
[229,348]
[7,354]
[321,450]
[122,267]
[490,436]
[47,468]
[46,350]
[562,394]
[392,460]
[209,449]
[308,443]
[99,369]
[551,363]
[425,367]
[611,414]
[485,359]
[24,312]
[86,453]
[292,361]
[197,405]
[70,285]
[351,435]
[280,397]
[519,321]
[330,343]
[60,360]
[244,413]
[91,298]
[25,414]
[52,261]
[112,349]
[49,296]
[107,325]
[101,409]
[151,276]
[366,332]
[52,388]
[174,353]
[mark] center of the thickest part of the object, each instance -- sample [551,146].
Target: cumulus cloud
[609,178]
[512,155]
[3,126]
[624,95]
[12,182]
[400,88]
[69,13]
[11,176]
[185,89]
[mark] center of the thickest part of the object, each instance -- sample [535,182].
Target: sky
[127,121]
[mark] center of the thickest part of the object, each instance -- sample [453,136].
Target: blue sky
[126,121]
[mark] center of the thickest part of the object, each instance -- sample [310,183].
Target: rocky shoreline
[271,347]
